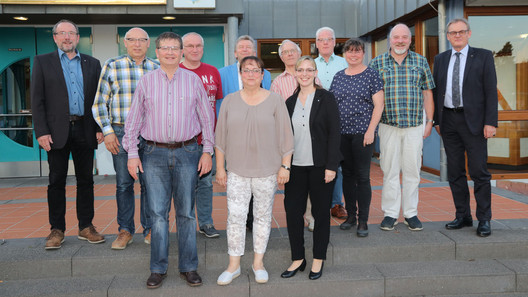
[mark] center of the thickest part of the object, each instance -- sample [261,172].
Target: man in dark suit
[63,86]
[466,116]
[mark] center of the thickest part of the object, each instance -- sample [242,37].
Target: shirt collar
[329,59]
[464,51]
[132,61]
[61,53]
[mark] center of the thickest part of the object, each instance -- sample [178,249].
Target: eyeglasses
[457,33]
[307,70]
[169,48]
[63,33]
[255,71]
[354,51]
[134,40]
[325,39]
[192,46]
[287,52]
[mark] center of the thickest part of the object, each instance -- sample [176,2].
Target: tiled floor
[24,211]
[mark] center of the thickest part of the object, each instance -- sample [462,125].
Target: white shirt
[463,58]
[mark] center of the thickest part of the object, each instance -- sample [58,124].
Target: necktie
[455,92]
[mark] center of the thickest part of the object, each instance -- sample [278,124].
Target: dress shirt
[463,58]
[74,82]
[117,84]
[403,86]
[169,110]
[326,71]
[301,132]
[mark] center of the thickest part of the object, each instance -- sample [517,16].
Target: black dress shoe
[192,278]
[484,229]
[288,273]
[155,280]
[349,223]
[362,229]
[459,223]
[316,275]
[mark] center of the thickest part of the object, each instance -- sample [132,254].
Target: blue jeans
[204,197]
[171,174]
[125,190]
[337,196]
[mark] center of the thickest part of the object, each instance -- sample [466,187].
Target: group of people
[313,133]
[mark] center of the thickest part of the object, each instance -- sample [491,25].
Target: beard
[400,51]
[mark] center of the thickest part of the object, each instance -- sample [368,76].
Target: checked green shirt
[118,81]
[403,86]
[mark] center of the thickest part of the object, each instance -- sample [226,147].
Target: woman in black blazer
[315,121]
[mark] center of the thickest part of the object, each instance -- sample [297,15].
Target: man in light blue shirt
[328,64]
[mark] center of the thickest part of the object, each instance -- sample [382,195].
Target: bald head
[137,43]
[400,39]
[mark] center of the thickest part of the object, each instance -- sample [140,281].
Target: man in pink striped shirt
[285,83]
[170,108]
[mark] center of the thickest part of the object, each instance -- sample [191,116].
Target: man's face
[458,35]
[169,52]
[66,37]
[244,48]
[290,55]
[325,43]
[192,48]
[400,39]
[137,43]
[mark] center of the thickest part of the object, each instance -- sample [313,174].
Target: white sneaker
[227,277]
[261,276]
[311,224]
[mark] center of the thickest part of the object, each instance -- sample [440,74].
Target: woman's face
[305,74]
[354,56]
[251,74]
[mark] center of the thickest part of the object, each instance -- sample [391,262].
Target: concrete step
[436,278]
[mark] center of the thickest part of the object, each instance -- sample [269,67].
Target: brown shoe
[192,278]
[54,240]
[90,234]
[147,238]
[339,212]
[155,280]
[123,239]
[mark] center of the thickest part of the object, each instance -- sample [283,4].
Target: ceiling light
[20,18]
[169,18]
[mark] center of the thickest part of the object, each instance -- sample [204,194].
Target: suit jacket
[49,98]
[229,76]
[479,89]
[324,128]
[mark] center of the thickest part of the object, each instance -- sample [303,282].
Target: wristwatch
[286,167]
[429,121]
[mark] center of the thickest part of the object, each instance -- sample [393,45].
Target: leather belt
[74,118]
[117,124]
[456,109]
[172,145]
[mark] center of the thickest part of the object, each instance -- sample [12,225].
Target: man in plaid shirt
[117,84]
[408,85]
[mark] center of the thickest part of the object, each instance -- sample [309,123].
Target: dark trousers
[306,180]
[58,159]
[356,175]
[458,140]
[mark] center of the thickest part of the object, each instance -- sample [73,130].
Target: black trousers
[58,159]
[458,140]
[356,175]
[306,180]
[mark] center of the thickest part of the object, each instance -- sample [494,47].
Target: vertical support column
[232,35]
[441,48]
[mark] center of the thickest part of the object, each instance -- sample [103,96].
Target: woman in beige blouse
[254,139]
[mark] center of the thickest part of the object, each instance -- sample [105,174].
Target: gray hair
[400,24]
[193,33]
[246,37]
[286,41]
[126,34]
[324,29]
[54,30]
[459,20]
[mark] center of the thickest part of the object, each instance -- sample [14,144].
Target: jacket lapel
[57,68]
[315,106]
[469,63]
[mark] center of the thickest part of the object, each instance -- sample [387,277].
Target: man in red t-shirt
[193,45]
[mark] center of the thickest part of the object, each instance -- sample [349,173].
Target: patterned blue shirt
[403,86]
[353,94]
[74,82]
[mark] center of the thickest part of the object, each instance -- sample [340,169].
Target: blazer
[229,76]
[324,128]
[479,89]
[49,98]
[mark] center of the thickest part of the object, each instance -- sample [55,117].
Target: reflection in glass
[15,100]
[508,150]
[506,37]
[431,40]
